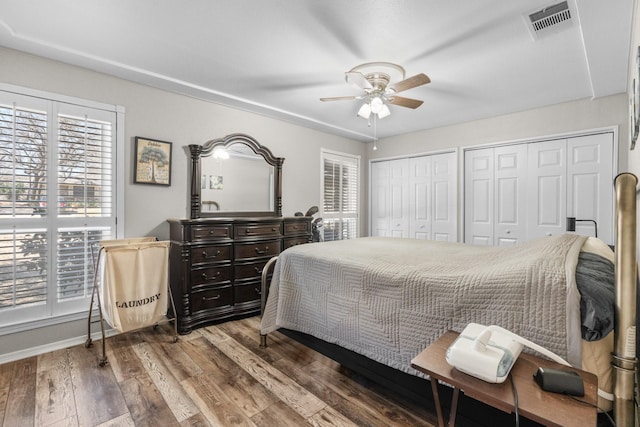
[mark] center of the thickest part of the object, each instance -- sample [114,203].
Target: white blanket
[389,298]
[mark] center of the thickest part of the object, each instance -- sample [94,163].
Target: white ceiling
[278,57]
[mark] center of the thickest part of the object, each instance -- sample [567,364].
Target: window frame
[62,312]
[341,216]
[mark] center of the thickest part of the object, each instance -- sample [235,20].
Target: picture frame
[215,182]
[152,161]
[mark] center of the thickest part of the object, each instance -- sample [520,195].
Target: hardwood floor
[215,376]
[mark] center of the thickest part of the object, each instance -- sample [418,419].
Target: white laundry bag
[135,280]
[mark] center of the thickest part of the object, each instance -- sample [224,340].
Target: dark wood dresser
[216,264]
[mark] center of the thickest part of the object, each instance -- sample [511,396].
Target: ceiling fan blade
[405,102]
[411,82]
[358,79]
[340,98]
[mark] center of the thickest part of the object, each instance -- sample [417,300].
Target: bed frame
[625,333]
[626,271]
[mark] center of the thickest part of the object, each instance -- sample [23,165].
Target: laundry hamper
[131,284]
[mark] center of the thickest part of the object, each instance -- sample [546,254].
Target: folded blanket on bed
[389,298]
[596,284]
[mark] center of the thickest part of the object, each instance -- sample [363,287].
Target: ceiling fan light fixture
[376,105]
[221,154]
[384,111]
[365,111]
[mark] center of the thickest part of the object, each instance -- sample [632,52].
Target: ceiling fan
[377,80]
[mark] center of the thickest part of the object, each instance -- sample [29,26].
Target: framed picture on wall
[215,182]
[152,162]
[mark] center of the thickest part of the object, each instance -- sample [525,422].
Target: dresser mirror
[235,176]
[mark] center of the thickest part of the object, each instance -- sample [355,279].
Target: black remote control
[559,381]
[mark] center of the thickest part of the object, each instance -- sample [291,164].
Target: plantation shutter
[57,201]
[85,185]
[340,196]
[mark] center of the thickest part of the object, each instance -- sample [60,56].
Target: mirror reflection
[235,176]
[236,179]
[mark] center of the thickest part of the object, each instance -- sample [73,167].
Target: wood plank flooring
[215,376]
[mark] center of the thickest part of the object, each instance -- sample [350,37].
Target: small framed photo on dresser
[152,162]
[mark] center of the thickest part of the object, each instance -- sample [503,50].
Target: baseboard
[58,345]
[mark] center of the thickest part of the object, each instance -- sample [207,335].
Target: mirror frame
[206,149]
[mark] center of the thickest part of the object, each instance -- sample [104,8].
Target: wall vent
[550,20]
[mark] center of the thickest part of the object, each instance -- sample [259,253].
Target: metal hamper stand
[96,294]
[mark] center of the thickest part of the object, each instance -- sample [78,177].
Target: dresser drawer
[269,229]
[267,248]
[294,241]
[210,275]
[297,227]
[245,293]
[218,231]
[211,298]
[212,253]
[249,271]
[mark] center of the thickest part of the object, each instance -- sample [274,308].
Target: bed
[389,298]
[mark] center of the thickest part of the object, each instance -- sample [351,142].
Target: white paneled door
[444,200]
[415,197]
[590,184]
[478,196]
[523,191]
[420,196]
[547,188]
[510,175]
[380,199]
[399,209]
[390,198]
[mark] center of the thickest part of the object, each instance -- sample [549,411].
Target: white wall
[634,155]
[181,120]
[556,119]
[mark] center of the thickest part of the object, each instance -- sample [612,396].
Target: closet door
[444,200]
[590,174]
[380,199]
[390,198]
[415,197]
[547,189]
[510,175]
[420,197]
[399,198]
[479,196]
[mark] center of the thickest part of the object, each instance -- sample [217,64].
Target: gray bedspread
[389,298]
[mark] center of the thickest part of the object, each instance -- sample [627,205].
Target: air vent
[550,20]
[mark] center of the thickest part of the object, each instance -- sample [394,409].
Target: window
[57,200]
[340,185]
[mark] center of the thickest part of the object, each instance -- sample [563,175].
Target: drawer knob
[213,298]
[260,252]
[205,277]
[211,232]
